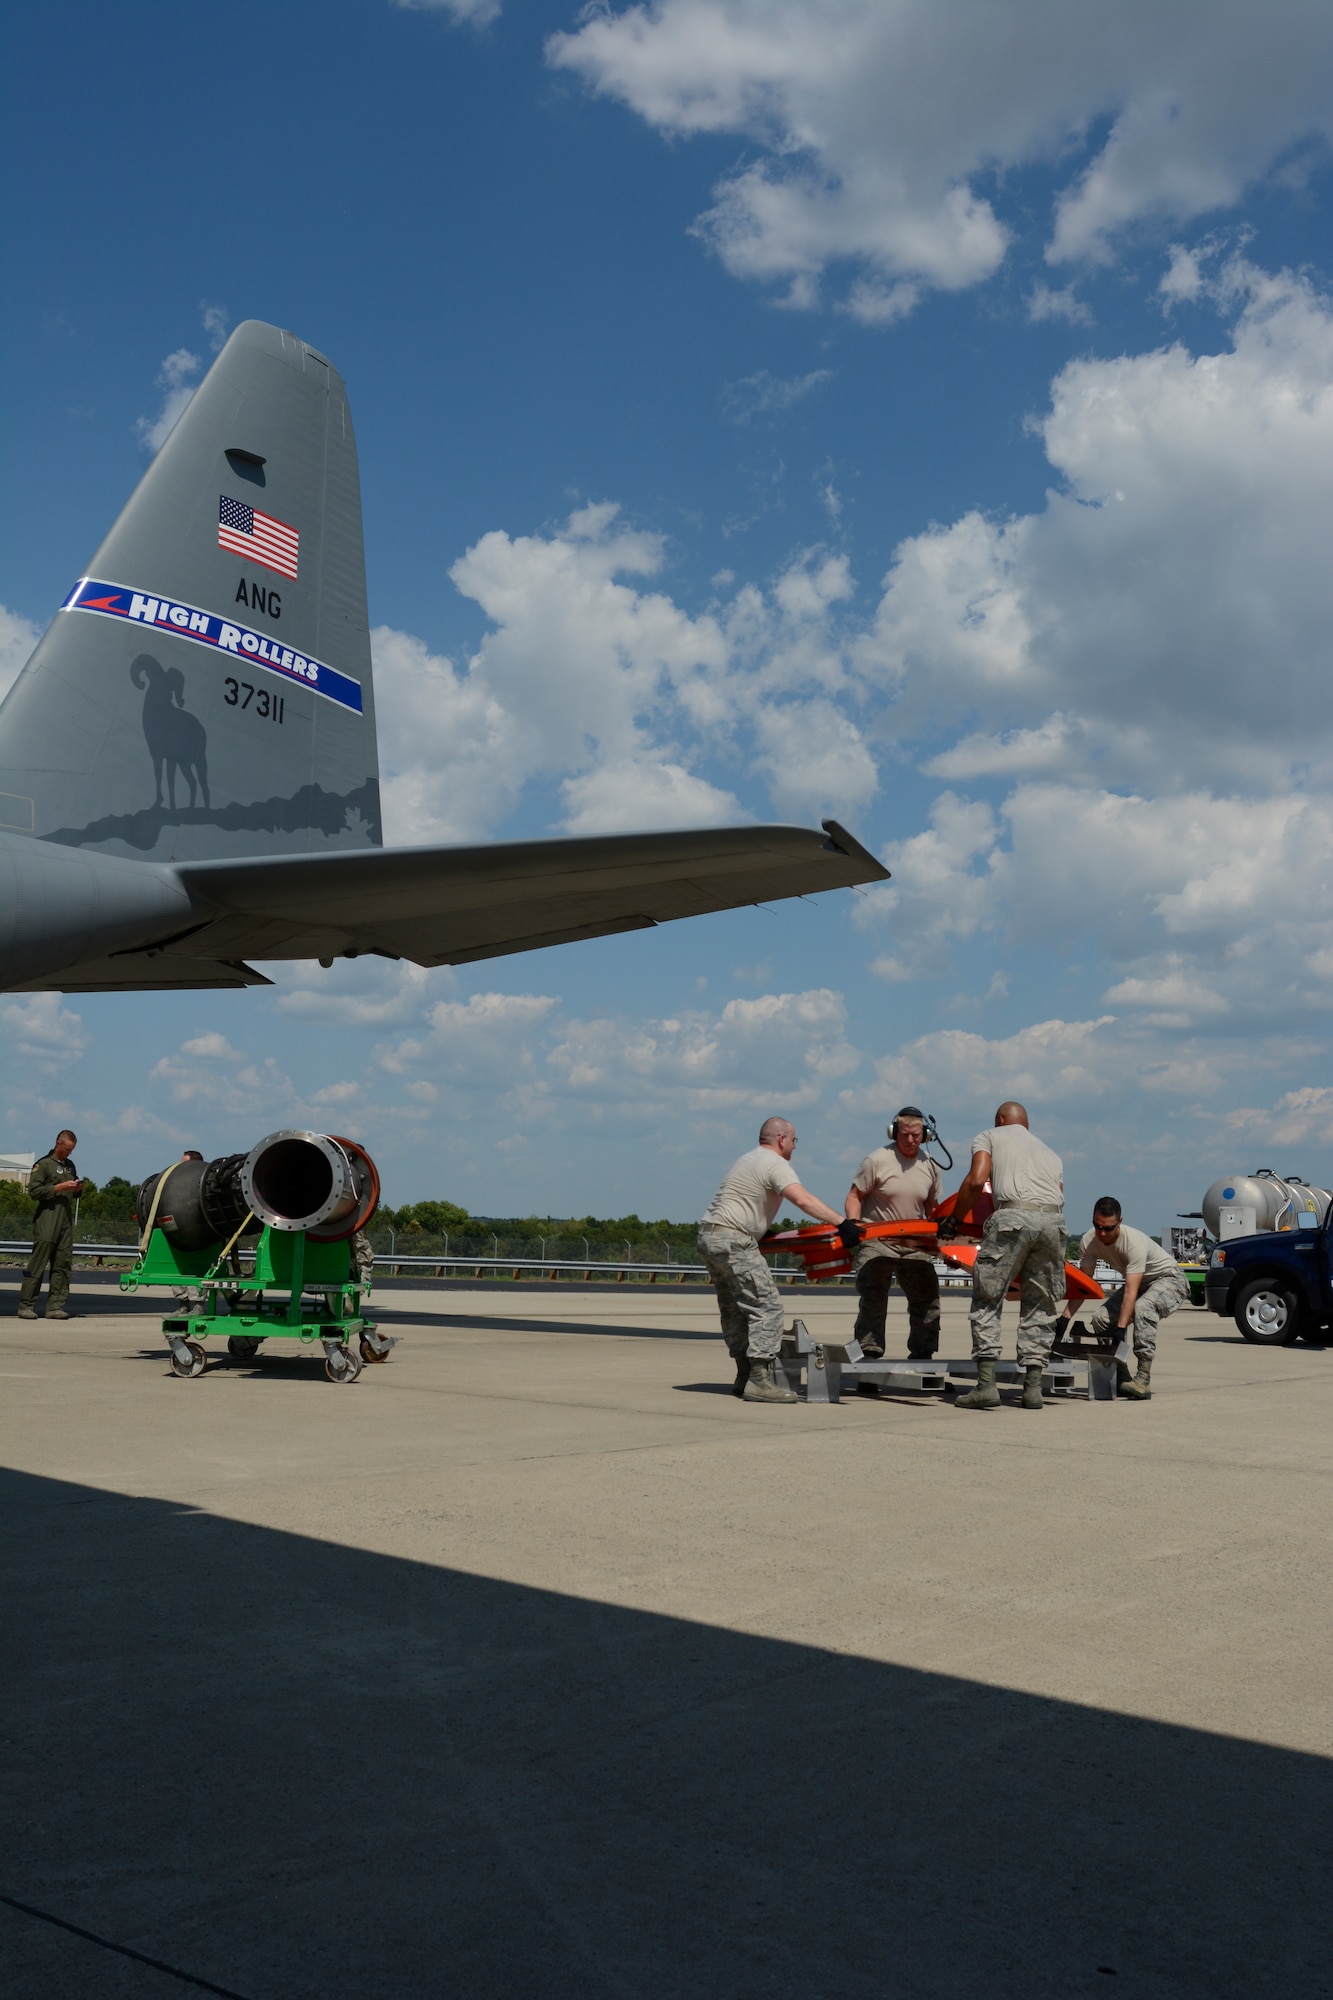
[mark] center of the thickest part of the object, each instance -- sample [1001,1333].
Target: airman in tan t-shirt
[897,1183]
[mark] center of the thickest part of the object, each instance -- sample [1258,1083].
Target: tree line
[423,1228]
[106,1215]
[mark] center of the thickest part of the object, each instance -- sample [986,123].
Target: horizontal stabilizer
[454,905]
[449,906]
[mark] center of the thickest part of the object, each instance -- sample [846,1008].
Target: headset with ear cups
[930,1134]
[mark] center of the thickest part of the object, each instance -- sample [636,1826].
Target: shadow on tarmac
[294,1769]
[485,1322]
[86,1304]
[1271,1347]
[157,1304]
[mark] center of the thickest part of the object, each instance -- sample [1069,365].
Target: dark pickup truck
[1277,1286]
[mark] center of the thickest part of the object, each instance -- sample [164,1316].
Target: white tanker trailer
[1250,1204]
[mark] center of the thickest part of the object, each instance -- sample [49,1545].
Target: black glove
[947,1228]
[852,1233]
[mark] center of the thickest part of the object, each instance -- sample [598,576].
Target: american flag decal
[257,537]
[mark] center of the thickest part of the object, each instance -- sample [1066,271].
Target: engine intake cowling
[310,1181]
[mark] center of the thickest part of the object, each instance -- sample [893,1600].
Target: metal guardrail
[442,1266]
[555,1267]
[24,1249]
[589,1270]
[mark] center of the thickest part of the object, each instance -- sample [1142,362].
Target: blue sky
[920,412]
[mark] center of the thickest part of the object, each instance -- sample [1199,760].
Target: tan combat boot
[1032,1387]
[1140,1389]
[767,1384]
[985,1396]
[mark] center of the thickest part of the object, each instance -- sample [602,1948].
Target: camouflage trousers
[876,1270]
[1156,1301]
[1027,1244]
[53,1244]
[747,1297]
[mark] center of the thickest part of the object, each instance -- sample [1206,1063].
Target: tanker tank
[1249,1204]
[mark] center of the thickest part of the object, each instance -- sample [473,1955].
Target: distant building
[16,1167]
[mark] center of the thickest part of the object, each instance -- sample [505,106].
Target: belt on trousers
[1034,1207]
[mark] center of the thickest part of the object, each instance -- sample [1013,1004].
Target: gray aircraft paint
[155,834]
[119,735]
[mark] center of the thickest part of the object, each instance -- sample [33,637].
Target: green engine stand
[217,1299]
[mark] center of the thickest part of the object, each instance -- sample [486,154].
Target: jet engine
[319,1183]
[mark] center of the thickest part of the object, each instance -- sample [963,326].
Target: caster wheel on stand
[344,1365]
[241,1347]
[187,1369]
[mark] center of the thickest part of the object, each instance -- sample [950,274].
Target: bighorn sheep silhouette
[176,739]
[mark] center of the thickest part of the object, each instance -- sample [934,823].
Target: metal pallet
[828,1369]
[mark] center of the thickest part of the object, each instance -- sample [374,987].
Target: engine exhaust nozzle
[307,1181]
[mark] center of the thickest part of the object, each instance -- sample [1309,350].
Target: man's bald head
[1012,1113]
[774,1129]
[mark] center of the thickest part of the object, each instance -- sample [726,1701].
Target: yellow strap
[228,1248]
[152,1213]
[152,1218]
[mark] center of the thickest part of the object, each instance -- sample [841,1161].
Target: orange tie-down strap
[825,1255]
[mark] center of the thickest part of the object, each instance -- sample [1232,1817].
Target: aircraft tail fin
[205,691]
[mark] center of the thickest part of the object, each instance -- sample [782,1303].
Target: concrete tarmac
[534,1664]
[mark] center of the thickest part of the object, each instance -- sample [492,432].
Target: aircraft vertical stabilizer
[205,692]
[188,770]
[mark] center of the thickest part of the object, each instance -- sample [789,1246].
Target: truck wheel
[1268,1312]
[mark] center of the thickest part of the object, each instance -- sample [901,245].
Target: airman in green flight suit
[55,1186]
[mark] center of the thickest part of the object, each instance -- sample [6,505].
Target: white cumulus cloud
[1209,903]
[485,1045]
[779,1050]
[617,692]
[177,379]
[354,993]
[462,13]
[1164,617]
[575,675]
[637,795]
[876,127]
[815,759]
[766,395]
[1133,677]
[1298,1117]
[1051,1062]
[44,1034]
[940,894]
[211,1044]
[18,636]
[1206,906]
